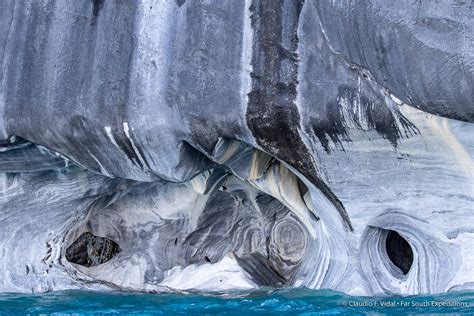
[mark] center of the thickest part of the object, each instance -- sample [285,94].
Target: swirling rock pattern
[217,145]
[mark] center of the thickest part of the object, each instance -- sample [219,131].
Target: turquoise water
[290,302]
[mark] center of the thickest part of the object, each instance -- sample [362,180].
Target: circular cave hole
[399,251]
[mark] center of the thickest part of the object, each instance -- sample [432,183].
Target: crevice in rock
[90,250]
[399,251]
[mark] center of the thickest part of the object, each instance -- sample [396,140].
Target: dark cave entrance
[90,250]
[399,251]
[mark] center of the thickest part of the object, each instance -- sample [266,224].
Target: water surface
[290,302]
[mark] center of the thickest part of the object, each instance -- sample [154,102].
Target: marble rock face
[160,145]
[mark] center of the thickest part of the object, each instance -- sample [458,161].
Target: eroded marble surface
[228,145]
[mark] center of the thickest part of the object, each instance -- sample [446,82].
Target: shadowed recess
[399,251]
[90,250]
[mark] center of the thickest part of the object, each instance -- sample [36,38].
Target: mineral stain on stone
[98,4]
[96,7]
[272,114]
[261,270]
[363,113]
[90,250]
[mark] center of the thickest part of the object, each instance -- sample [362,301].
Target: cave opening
[90,250]
[399,251]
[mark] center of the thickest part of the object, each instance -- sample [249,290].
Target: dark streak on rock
[363,110]
[260,269]
[97,6]
[126,146]
[331,129]
[271,113]
[180,2]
